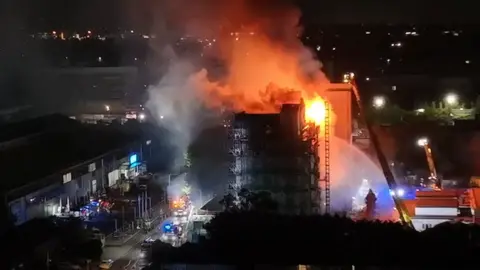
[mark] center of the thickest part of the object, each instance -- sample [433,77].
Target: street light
[107,108]
[379,102]
[348,77]
[451,99]
[422,142]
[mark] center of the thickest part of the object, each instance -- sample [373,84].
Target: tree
[90,250]
[388,115]
[8,218]
[246,200]
[477,105]
[77,241]
[228,202]
[262,201]
[249,237]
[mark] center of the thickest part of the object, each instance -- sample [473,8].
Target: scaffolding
[286,168]
[239,137]
[311,137]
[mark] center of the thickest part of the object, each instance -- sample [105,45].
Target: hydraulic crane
[401,208]
[434,183]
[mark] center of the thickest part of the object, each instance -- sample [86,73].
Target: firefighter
[370,202]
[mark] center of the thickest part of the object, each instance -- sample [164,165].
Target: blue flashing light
[404,192]
[167,227]
[133,159]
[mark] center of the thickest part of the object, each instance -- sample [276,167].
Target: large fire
[315,111]
[259,63]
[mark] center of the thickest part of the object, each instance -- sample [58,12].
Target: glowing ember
[315,111]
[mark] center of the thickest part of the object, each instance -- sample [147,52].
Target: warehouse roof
[59,145]
[214,205]
[34,126]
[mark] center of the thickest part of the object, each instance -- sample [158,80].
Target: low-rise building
[53,162]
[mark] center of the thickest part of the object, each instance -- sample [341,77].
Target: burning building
[278,152]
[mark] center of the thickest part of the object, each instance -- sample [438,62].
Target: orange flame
[315,111]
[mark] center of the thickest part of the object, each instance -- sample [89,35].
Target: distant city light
[451,99]
[379,102]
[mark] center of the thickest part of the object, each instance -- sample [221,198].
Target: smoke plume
[263,61]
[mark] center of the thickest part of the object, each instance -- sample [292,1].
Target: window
[67,178]
[94,186]
[426,226]
[91,167]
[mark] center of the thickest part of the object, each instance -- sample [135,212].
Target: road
[130,255]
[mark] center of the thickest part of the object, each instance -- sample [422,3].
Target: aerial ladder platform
[434,181]
[400,206]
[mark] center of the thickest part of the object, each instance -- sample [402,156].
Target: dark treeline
[251,237]
[53,239]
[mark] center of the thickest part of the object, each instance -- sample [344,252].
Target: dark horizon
[140,14]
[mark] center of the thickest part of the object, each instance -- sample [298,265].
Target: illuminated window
[133,159]
[91,167]
[67,178]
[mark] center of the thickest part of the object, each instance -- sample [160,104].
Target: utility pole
[123,216]
[150,206]
[139,205]
[102,171]
[145,203]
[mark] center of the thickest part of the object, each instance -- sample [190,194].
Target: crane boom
[431,165]
[401,208]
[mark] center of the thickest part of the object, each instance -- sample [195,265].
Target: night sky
[138,13]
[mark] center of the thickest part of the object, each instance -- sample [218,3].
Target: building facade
[278,153]
[73,187]
[56,163]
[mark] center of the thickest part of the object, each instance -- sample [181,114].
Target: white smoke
[175,105]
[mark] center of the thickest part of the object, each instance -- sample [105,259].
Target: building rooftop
[60,143]
[30,127]
[213,205]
